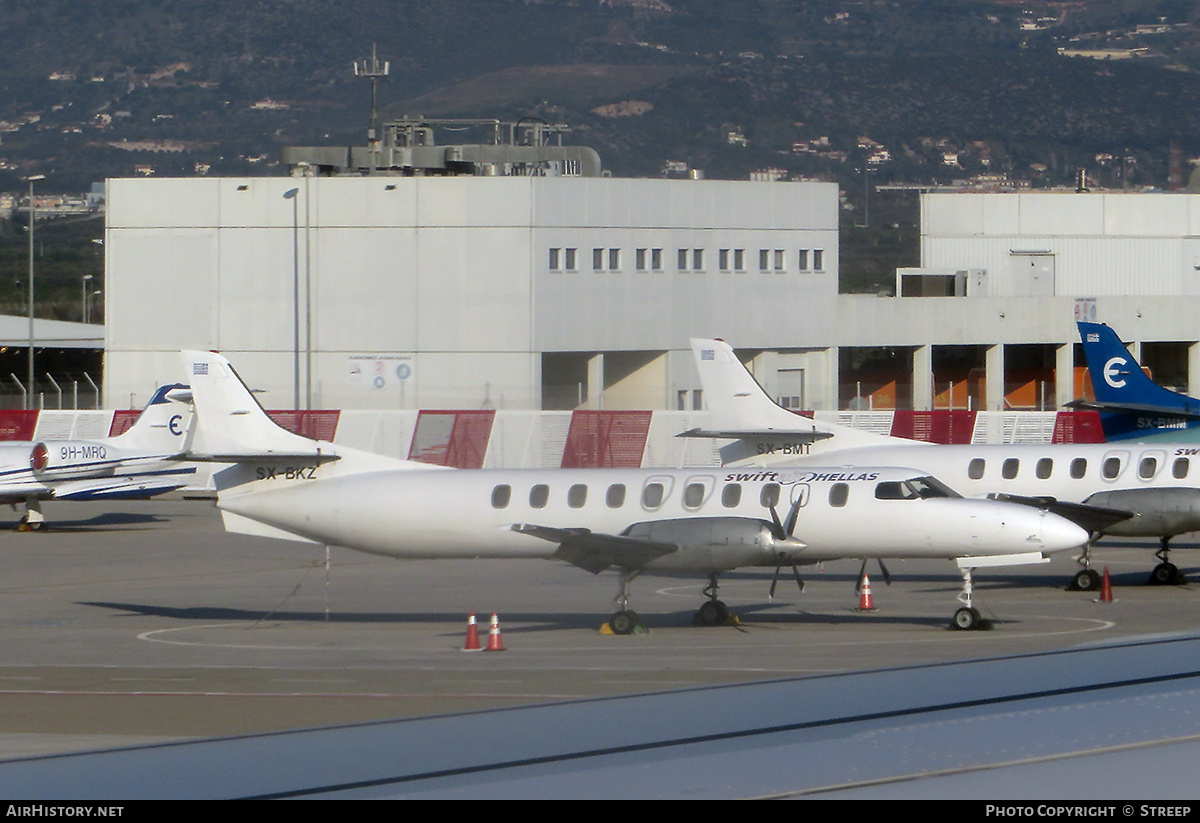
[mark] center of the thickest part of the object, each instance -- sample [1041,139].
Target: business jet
[1131,405]
[1133,490]
[139,463]
[705,521]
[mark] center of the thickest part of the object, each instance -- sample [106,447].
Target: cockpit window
[918,488]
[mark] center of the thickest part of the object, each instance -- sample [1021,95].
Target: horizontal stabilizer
[1135,408]
[804,436]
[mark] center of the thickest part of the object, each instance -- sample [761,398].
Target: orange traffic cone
[1106,595]
[472,644]
[865,602]
[495,644]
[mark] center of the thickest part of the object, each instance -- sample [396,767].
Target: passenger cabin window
[577,496]
[1179,469]
[539,495]
[500,497]
[1044,468]
[615,498]
[1111,468]
[838,494]
[769,496]
[652,495]
[731,495]
[1147,468]
[693,495]
[1008,470]
[1078,468]
[975,468]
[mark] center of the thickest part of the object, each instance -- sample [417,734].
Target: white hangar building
[469,277]
[508,292]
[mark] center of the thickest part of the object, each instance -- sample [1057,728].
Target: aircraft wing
[113,488]
[1092,518]
[596,552]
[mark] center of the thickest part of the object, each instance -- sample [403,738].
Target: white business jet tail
[231,427]
[763,431]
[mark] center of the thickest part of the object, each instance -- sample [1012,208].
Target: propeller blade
[774,580]
[799,579]
[793,517]
[887,576]
[779,533]
[862,572]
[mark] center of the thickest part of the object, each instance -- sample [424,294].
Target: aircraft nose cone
[1059,534]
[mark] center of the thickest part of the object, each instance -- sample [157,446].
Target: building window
[739,259]
[639,259]
[697,259]
[569,256]
[779,260]
[764,259]
[598,259]
[555,259]
[656,262]
[723,259]
[802,259]
[614,259]
[681,258]
[818,260]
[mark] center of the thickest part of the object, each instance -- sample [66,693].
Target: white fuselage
[470,513]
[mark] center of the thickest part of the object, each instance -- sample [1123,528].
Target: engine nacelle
[66,459]
[716,543]
[1157,512]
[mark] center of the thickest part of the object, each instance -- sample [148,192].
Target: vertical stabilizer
[740,410]
[1131,405]
[162,426]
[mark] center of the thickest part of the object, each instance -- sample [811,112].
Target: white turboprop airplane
[138,463]
[1128,489]
[706,521]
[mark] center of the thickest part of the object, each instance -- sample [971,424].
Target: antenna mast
[373,71]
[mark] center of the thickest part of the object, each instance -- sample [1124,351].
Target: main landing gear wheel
[1086,581]
[967,619]
[624,622]
[1166,574]
[712,613]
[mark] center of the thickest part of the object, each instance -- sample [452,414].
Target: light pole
[83,296]
[32,218]
[291,194]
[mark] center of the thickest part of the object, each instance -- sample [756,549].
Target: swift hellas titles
[1145,490]
[634,520]
[141,462]
[1131,405]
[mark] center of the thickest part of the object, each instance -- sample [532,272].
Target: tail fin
[231,426]
[162,426]
[1130,403]
[740,410]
